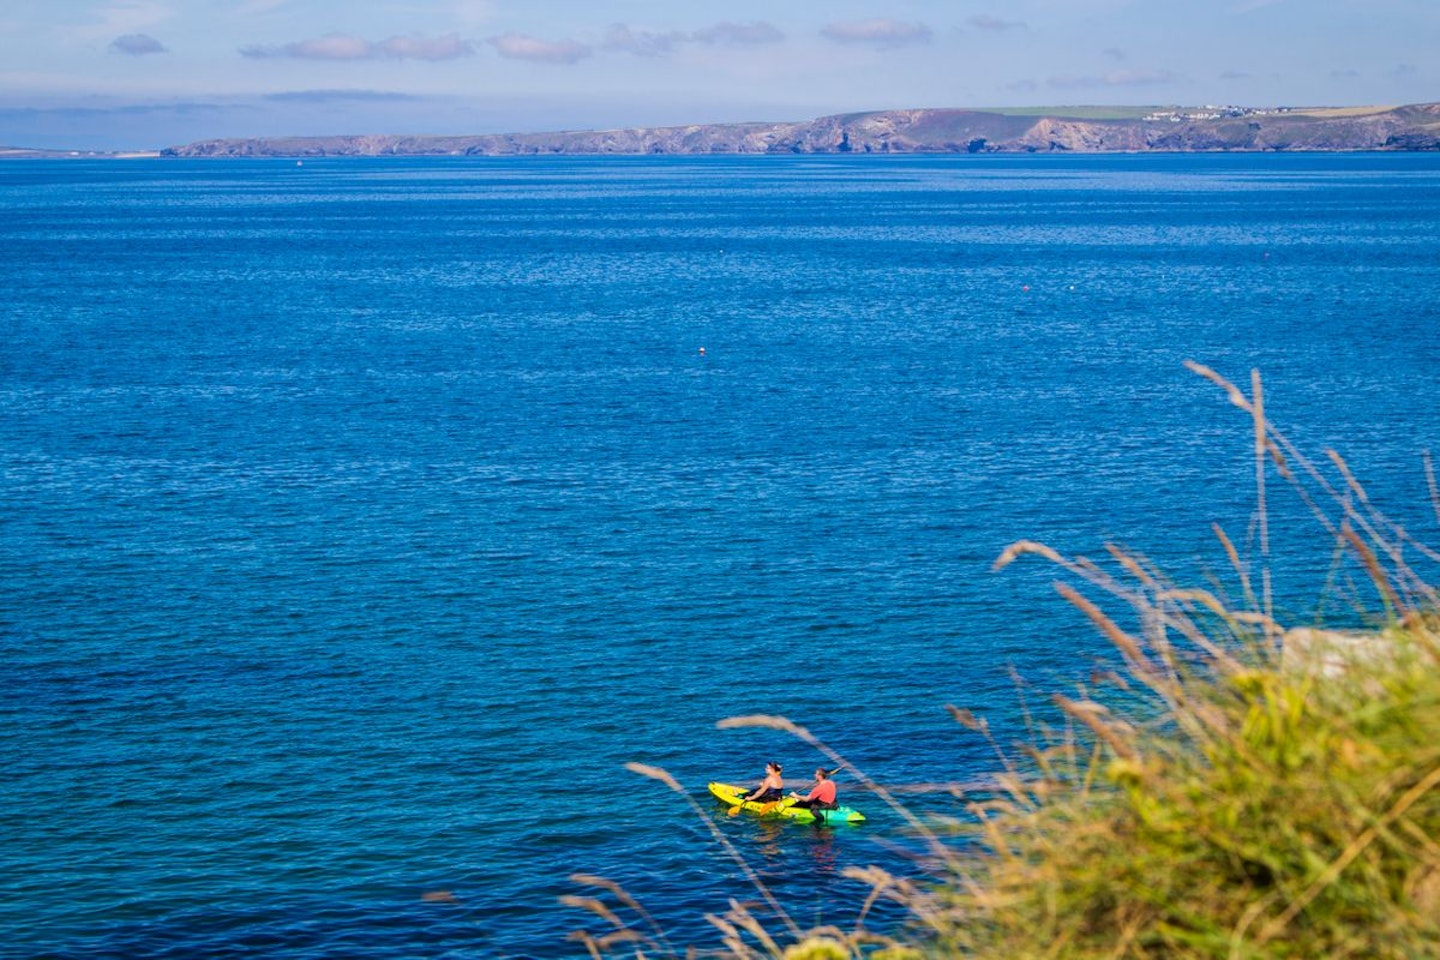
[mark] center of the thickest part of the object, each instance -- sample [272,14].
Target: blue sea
[361,518]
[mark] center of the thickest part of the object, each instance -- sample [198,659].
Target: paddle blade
[774,805]
[734,810]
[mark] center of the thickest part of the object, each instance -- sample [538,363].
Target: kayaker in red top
[820,797]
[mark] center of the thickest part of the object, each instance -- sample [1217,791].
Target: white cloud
[739,34]
[878,32]
[118,18]
[137,45]
[448,47]
[653,43]
[519,46]
[986,22]
[343,46]
[642,43]
[332,46]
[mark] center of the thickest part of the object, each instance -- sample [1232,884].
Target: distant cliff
[1415,127]
[39,153]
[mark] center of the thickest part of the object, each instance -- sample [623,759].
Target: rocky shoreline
[1407,128]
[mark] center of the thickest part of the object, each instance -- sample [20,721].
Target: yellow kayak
[730,796]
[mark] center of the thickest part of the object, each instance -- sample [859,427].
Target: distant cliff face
[908,131]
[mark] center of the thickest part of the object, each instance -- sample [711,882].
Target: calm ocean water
[359,520]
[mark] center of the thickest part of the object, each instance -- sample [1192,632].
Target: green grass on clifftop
[1077,113]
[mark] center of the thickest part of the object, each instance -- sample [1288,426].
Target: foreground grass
[1236,790]
[1270,812]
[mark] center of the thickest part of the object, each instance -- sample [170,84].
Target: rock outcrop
[1415,127]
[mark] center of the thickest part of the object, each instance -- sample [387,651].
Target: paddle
[768,807]
[819,815]
[785,801]
[737,808]
[764,808]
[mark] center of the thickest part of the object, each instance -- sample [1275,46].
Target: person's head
[821,773]
[773,767]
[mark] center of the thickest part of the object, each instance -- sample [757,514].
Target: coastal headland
[30,153]
[1048,130]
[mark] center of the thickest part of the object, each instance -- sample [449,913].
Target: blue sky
[136,74]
